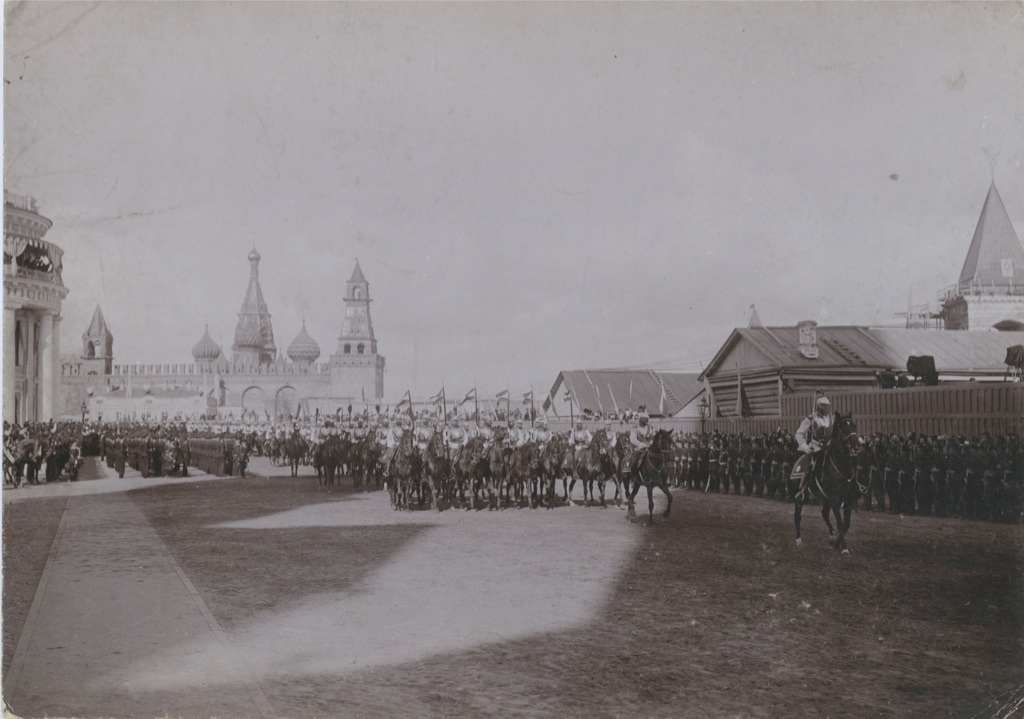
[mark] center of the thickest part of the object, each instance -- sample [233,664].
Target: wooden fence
[967,409]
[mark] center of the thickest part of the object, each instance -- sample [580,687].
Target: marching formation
[441,463]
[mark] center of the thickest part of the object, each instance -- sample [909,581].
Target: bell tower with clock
[357,370]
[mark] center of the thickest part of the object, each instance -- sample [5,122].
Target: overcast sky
[528,187]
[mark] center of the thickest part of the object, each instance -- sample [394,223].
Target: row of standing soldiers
[158,453]
[979,478]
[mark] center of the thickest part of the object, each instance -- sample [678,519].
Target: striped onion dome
[303,348]
[206,350]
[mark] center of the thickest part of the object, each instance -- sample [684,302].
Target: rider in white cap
[811,439]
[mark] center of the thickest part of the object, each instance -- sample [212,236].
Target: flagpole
[476,406]
[533,408]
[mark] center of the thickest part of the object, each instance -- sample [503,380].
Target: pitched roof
[616,390]
[871,348]
[994,243]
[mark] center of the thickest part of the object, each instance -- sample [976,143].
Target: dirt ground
[344,607]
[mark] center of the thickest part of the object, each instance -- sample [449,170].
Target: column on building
[57,406]
[9,326]
[46,378]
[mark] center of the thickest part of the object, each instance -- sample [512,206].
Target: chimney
[808,338]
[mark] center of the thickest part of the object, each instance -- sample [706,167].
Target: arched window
[360,347]
[348,349]
[90,351]
[358,293]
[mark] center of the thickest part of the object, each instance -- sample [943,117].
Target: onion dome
[303,348]
[254,256]
[206,350]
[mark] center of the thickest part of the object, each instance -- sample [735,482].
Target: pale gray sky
[528,187]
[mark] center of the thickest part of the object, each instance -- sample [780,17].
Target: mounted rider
[608,436]
[517,435]
[641,435]
[580,437]
[541,434]
[393,440]
[423,433]
[455,438]
[486,432]
[812,438]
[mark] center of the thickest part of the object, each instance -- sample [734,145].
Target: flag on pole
[436,399]
[528,397]
[406,402]
[471,395]
[503,394]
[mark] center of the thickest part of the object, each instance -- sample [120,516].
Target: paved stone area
[113,605]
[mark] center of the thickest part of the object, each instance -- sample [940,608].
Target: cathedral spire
[254,333]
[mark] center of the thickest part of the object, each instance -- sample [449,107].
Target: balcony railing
[53,278]
[976,289]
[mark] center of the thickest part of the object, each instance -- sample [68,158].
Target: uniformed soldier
[423,433]
[455,439]
[541,434]
[392,440]
[580,437]
[812,436]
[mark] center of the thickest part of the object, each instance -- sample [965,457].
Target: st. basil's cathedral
[256,381]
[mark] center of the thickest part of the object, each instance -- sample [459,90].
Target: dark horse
[835,483]
[295,449]
[329,458]
[651,468]
[437,469]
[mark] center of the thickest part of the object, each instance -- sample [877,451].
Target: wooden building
[767,364]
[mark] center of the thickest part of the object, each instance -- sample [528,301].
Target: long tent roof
[884,348]
[608,391]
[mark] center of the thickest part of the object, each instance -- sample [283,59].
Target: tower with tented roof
[357,370]
[97,346]
[254,333]
[990,291]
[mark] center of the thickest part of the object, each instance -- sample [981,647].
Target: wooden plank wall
[964,409]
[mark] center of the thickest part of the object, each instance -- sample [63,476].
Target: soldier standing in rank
[120,452]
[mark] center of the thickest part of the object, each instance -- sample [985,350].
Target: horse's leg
[601,487]
[826,507]
[650,502]
[668,495]
[630,497]
[844,528]
[798,507]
